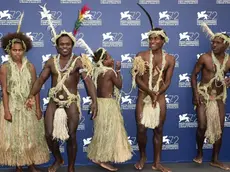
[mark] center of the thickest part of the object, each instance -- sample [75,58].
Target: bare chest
[157,64]
[210,66]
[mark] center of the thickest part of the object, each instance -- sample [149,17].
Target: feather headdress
[80,19]
[156,32]
[55,36]
[20,22]
[212,35]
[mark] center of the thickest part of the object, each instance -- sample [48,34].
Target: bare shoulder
[228,62]
[50,61]
[76,57]
[143,54]
[31,64]
[3,67]
[205,56]
[110,73]
[228,57]
[78,61]
[170,58]
[31,67]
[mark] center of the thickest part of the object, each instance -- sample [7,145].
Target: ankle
[200,153]
[215,159]
[60,161]
[143,156]
[71,168]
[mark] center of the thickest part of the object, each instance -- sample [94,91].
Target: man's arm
[3,73]
[44,75]
[144,87]
[168,75]
[90,88]
[227,78]
[196,70]
[116,78]
[37,97]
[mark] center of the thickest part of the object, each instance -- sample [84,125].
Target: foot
[107,166]
[32,168]
[18,169]
[96,162]
[161,168]
[198,159]
[56,165]
[140,164]
[71,169]
[219,165]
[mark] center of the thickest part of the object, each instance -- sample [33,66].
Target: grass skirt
[150,115]
[213,131]
[22,142]
[110,140]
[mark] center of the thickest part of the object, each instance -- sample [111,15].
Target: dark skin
[64,48]
[206,67]
[105,84]
[155,43]
[17,53]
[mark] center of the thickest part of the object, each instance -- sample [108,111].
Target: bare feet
[140,164]
[32,168]
[71,169]
[56,165]
[198,159]
[108,166]
[161,168]
[105,165]
[96,162]
[18,169]
[219,165]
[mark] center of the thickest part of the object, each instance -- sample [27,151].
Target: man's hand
[8,116]
[93,109]
[197,99]
[39,113]
[154,96]
[227,81]
[29,103]
[118,66]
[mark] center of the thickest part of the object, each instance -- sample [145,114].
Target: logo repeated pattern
[122,28]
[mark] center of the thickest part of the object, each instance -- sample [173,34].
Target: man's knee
[141,129]
[201,128]
[72,135]
[159,130]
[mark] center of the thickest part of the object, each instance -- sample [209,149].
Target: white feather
[49,20]
[82,44]
[207,30]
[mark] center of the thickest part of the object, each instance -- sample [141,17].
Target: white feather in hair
[207,30]
[46,14]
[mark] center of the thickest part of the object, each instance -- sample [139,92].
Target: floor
[178,167]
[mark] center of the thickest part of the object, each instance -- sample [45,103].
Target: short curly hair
[98,54]
[19,38]
[57,41]
[159,29]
